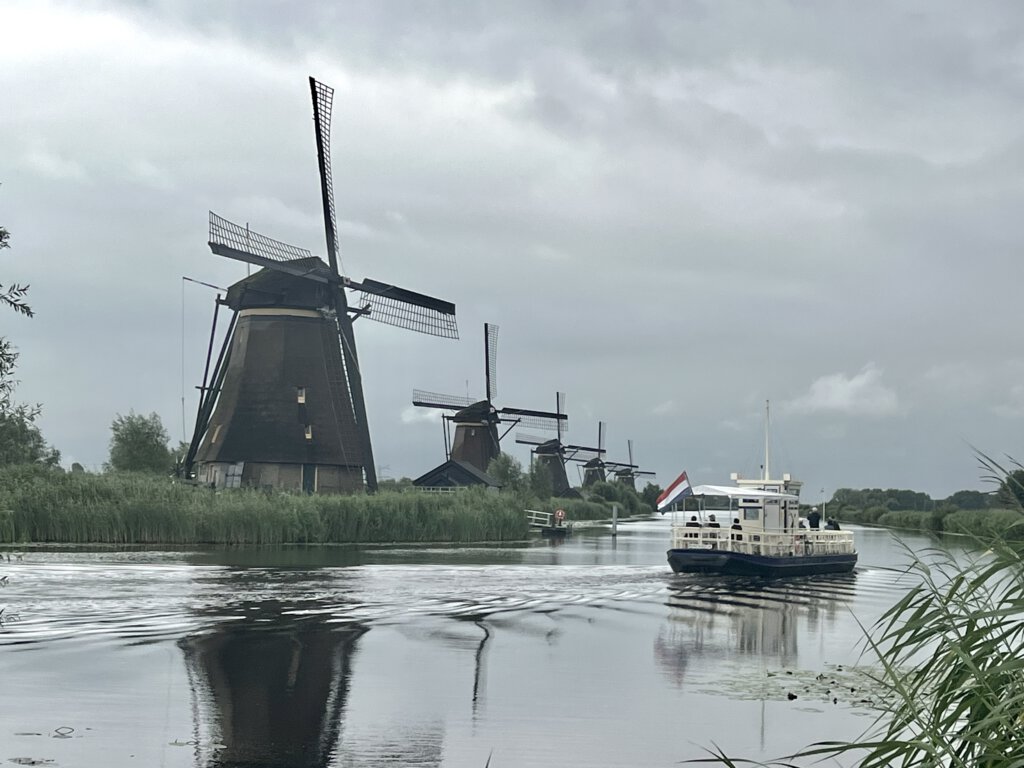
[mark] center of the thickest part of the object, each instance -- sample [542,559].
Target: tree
[507,471]
[21,442]
[649,495]
[969,500]
[138,444]
[541,482]
[14,297]
[1011,489]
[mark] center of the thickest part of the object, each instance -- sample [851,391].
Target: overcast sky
[674,212]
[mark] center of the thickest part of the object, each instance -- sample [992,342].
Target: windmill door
[309,478]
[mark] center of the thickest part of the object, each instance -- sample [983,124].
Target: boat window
[751,514]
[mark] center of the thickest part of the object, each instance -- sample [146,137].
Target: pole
[615,520]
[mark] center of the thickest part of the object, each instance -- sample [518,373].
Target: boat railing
[766,543]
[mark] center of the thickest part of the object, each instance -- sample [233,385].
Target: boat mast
[767,421]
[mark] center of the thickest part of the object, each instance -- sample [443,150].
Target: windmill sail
[407,309]
[437,400]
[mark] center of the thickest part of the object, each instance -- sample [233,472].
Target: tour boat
[755,532]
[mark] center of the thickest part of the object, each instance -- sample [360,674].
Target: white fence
[538,519]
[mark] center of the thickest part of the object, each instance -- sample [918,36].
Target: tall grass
[40,505]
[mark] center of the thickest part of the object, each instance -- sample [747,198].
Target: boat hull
[742,564]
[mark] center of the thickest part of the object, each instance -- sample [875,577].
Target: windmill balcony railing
[766,543]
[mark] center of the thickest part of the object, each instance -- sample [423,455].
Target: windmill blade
[243,244]
[600,436]
[619,466]
[436,400]
[531,439]
[560,408]
[581,454]
[407,309]
[644,473]
[532,419]
[323,101]
[491,359]
[630,444]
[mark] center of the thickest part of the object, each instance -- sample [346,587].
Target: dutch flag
[679,489]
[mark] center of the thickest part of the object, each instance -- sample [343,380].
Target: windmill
[283,406]
[628,473]
[592,459]
[553,453]
[477,441]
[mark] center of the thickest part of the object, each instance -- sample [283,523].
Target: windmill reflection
[269,688]
[712,621]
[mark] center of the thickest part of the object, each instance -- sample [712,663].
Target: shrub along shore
[1000,523]
[42,505]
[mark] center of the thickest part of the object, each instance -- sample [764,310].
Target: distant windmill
[476,439]
[553,453]
[592,459]
[283,405]
[628,473]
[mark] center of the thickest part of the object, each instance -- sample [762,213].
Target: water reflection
[269,688]
[712,621]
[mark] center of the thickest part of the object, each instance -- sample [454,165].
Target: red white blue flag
[679,489]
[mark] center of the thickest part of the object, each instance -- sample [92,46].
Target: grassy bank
[40,505]
[975,522]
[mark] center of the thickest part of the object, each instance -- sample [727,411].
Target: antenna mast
[767,423]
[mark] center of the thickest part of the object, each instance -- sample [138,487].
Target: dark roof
[454,473]
[480,411]
[272,288]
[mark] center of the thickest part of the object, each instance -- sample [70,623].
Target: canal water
[587,653]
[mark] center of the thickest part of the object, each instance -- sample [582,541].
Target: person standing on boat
[737,527]
[712,523]
[813,518]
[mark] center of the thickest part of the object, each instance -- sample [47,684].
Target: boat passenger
[814,518]
[832,524]
[692,522]
[737,527]
[712,523]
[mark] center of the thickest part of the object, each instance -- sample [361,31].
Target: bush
[986,522]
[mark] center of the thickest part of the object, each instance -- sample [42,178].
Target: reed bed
[40,505]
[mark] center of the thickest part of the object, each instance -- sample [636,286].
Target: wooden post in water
[615,520]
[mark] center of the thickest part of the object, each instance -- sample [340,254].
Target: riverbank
[998,523]
[45,506]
